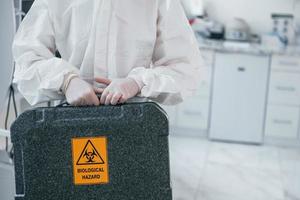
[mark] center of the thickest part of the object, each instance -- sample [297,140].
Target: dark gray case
[138,152]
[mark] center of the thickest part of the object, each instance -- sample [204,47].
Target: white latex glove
[81,93]
[118,90]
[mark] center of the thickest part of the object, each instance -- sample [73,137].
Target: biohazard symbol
[90,155]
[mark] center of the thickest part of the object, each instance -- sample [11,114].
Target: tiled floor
[204,170]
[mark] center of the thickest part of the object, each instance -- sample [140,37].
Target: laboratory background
[239,137]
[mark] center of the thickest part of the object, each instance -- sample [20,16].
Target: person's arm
[39,74]
[176,58]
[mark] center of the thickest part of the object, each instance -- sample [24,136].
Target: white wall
[256,12]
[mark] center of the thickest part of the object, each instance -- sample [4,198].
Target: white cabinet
[193,114]
[205,76]
[284,98]
[204,87]
[285,88]
[239,97]
[282,121]
[239,83]
[285,63]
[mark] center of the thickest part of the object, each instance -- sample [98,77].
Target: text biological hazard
[90,161]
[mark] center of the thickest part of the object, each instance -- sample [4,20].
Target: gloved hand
[118,90]
[81,93]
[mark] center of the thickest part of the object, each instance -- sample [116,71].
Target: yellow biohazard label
[90,161]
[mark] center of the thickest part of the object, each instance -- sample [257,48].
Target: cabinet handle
[289,63]
[282,121]
[241,69]
[286,88]
[193,113]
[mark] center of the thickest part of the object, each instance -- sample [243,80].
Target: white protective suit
[147,40]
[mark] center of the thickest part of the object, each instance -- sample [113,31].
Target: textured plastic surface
[138,153]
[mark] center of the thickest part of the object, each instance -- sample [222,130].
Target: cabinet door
[285,88]
[239,97]
[286,63]
[204,86]
[205,74]
[282,122]
[193,114]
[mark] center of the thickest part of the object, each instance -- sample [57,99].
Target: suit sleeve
[39,74]
[176,59]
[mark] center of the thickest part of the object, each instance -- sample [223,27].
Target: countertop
[249,48]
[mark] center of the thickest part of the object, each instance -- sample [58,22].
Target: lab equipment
[167,63]
[297,21]
[26,5]
[283,27]
[4,133]
[83,153]
[208,28]
[193,8]
[7,32]
[217,31]
[272,41]
[238,30]
[297,31]
[18,12]
[239,97]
